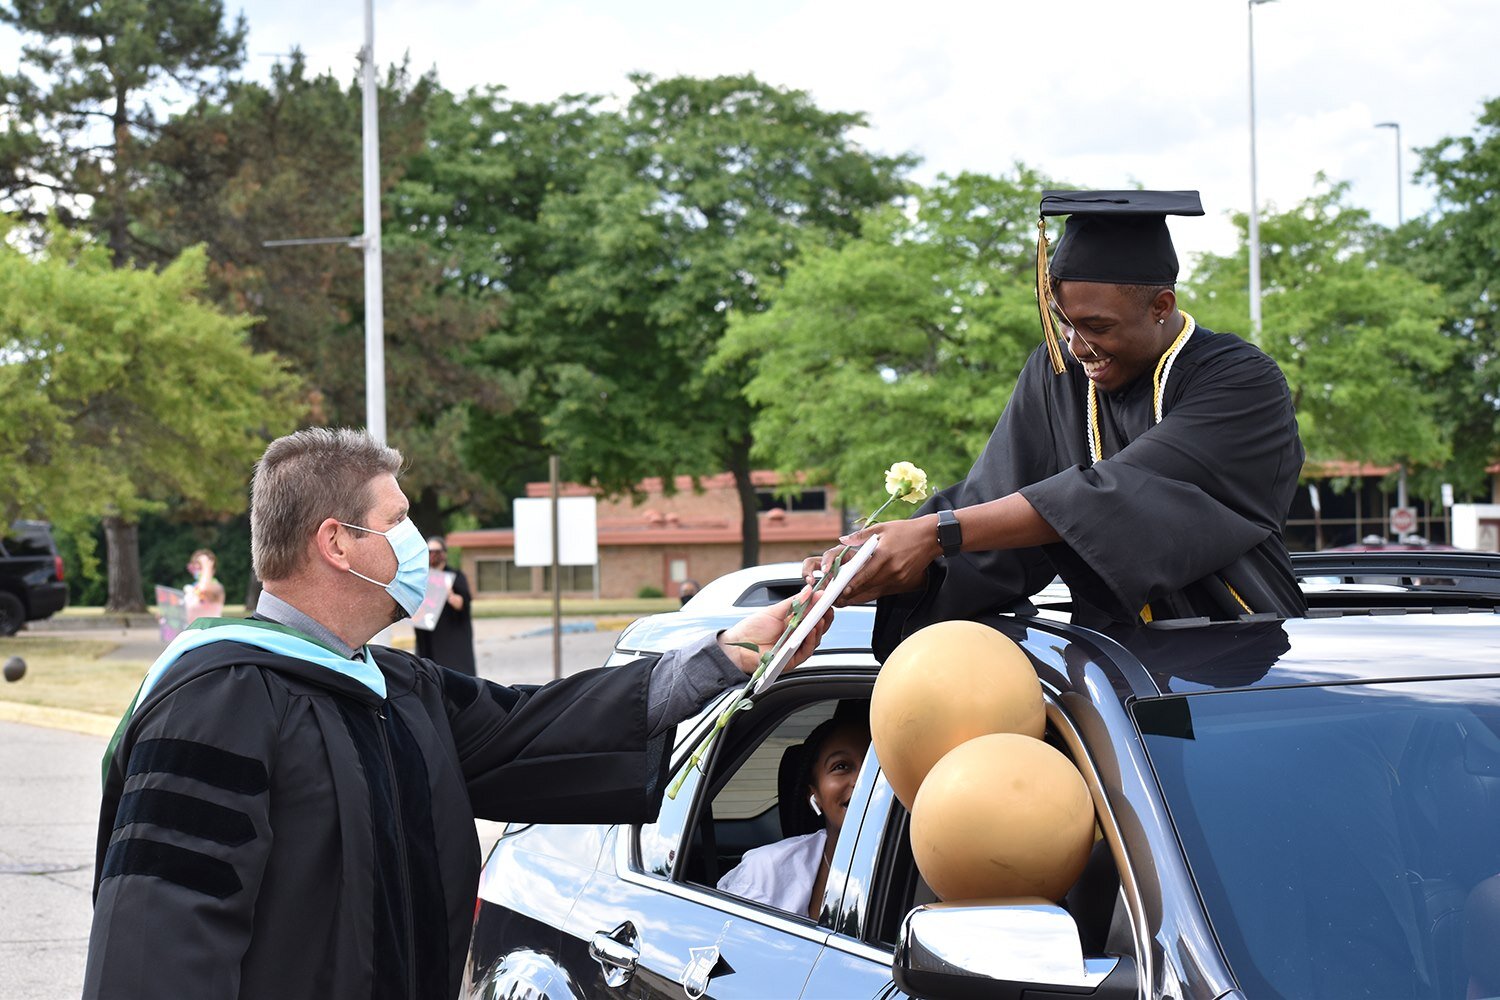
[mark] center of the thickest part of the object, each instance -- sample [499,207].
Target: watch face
[950,533]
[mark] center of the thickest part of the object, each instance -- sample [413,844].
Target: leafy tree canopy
[1458,249]
[83,98]
[281,161]
[623,240]
[1359,336]
[903,344]
[123,389]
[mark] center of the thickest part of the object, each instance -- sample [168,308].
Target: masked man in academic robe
[289,812]
[1151,466]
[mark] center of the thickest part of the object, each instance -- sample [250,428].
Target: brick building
[664,540]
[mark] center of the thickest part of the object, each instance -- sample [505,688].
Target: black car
[31,576]
[1303,808]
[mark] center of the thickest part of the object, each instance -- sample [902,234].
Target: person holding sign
[444,624]
[204,597]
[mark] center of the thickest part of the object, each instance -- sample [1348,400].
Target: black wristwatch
[950,533]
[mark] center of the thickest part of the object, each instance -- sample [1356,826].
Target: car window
[743,810]
[1345,839]
[23,545]
[751,791]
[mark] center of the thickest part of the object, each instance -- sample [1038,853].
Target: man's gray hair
[303,478]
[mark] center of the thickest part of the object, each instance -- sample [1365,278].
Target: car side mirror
[1000,950]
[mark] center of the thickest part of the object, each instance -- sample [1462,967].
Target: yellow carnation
[905,481]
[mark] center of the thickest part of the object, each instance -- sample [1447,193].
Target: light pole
[370,241]
[1254,198]
[1400,218]
[374,300]
[1400,179]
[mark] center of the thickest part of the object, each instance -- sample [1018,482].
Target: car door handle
[616,953]
[607,951]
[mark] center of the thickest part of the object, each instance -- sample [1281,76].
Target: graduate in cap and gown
[1146,460]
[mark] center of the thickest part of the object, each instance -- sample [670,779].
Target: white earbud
[812,800]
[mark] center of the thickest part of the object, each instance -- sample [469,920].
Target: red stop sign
[1403,520]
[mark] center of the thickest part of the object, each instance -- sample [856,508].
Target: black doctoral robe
[1178,519]
[273,829]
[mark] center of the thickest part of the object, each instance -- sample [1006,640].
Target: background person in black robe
[289,812]
[1152,467]
[451,641]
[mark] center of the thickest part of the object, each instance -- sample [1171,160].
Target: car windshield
[1344,839]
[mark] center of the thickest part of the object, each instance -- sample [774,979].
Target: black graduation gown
[1183,515]
[271,828]
[451,641]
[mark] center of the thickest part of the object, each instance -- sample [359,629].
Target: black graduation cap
[1114,237]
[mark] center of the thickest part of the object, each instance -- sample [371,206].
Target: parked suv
[1286,808]
[31,576]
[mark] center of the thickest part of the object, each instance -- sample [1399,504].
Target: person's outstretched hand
[763,628]
[906,549]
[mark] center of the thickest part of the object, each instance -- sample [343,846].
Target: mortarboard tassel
[1044,300]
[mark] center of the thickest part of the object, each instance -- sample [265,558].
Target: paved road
[49,801]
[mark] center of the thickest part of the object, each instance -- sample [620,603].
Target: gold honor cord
[1158,388]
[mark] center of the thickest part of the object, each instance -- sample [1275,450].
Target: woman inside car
[790,874]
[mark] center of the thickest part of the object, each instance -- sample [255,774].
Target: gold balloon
[945,685]
[1002,816]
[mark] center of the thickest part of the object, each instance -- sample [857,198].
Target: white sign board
[578,543]
[1403,520]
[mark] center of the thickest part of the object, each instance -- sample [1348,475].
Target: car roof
[1414,622]
[1299,652]
[849,631]
[758,586]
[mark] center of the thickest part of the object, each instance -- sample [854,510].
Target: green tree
[904,344]
[689,204]
[93,74]
[1359,336]
[478,192]
[282,160]
[1458,249]
[123,391]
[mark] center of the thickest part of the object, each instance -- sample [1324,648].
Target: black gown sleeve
[576,750]
[1187,497]
[1025,446]
[184,838]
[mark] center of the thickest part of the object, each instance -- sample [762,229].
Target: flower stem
[741,702]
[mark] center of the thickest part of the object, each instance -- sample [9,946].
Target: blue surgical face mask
[410,585]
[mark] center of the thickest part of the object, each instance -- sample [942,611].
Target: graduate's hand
[907,548]
[763,628]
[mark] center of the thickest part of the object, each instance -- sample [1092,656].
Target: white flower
[905,481]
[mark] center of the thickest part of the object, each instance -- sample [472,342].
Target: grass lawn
[69,673]
[527,607]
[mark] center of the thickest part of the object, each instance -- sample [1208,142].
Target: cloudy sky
[1094,92]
